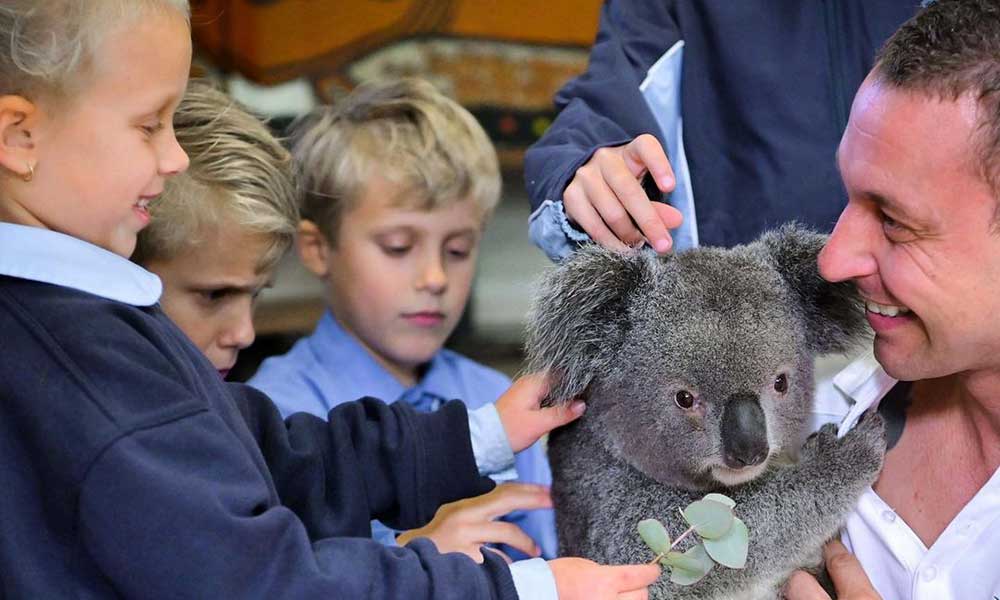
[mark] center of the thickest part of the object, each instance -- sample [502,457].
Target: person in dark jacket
[129,468]
[747,100]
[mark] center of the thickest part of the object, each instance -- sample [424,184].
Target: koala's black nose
[744,432]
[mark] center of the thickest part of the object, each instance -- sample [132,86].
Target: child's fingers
[506,558]
[508,497]
[624,205]
[629,578]
[530,389]
[579,207]
[501,532]
[645,153]
[670,216]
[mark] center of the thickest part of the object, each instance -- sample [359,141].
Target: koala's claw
[861,451]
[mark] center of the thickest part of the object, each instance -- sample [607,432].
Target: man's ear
[17,147]
[313,248]
[833,312]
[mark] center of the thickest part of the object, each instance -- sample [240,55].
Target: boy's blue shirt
[330,367]
[125,454]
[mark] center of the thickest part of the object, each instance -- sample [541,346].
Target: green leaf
[655,535]
[709,518]
[721,499]
[690,567]
[731,549]
[681,561]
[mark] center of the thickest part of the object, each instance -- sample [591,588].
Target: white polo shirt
[964,562]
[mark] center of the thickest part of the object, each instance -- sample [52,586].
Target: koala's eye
[781,384]
[684,399]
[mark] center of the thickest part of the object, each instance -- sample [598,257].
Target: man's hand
[848,577]
[607,201]
[578,578]
[523,418]
[467,525]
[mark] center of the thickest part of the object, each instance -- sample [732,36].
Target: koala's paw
[857,457]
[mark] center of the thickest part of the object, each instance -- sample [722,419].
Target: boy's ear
[17,148]
[833,311]
[580,318]
[313,249]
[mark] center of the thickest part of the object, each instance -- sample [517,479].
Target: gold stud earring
[30,174]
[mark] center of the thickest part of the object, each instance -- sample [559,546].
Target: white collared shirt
[962,564]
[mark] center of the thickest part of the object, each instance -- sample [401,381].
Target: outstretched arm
[604,109]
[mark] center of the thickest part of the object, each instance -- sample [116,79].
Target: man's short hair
[240,175]
[949,49]
[404,131]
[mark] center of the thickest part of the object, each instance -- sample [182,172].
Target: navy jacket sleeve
[368,460]
[131,470]
[199,523]
[603,106]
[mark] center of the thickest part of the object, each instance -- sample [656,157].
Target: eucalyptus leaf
[721,499]
[655,535]
[731,549]
[691,566]
[709,518]
[681,560]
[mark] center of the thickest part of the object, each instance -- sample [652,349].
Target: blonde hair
[48,44]
[239,174]
[404,131]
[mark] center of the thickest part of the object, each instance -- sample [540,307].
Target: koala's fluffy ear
[833,311]
[580,317]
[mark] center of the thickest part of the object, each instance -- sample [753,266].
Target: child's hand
[605,197]
[467,525]
[523,418]
[587,580]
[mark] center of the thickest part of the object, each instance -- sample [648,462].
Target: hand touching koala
[697,373]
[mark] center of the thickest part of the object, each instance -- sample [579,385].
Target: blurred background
[501,59]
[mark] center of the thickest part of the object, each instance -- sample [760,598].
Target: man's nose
[848,252]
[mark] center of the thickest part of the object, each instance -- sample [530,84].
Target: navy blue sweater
[129,469]
[766,88]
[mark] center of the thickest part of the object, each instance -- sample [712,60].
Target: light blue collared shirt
[48,256]
[330,367]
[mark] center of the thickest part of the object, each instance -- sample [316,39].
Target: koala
[697,369]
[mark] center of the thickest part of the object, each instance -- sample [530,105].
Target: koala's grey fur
[630,330]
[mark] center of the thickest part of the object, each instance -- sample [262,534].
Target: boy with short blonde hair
[399,182]
[220,228]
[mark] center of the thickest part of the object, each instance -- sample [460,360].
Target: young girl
[129,467]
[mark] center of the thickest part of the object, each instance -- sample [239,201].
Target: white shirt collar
[862,383]
[50,257]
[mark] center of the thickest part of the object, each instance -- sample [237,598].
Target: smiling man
[920,238]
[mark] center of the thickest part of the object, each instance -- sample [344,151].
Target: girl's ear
[17,147]
[313,248]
